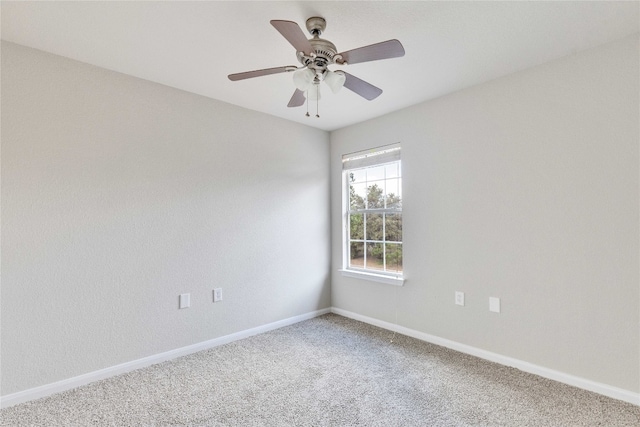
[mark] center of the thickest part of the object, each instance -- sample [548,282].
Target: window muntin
[374,212]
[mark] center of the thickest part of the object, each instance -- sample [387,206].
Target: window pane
[391,170]
[356,226]
[375,196]
[374,256]
[393,193]
[374,226]
[375,239]
[356,254]
[393,227]
[394,257]
[375,173]
[357,194]
[359,175]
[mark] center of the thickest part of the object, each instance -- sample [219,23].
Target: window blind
[371,157]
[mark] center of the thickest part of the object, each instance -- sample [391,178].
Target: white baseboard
[60,386]
[604,389]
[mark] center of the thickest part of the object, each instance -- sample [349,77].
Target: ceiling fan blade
[362,88]
[294,35]
[374,52]
[297,99]
[258,73]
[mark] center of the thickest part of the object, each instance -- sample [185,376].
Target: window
[373,214]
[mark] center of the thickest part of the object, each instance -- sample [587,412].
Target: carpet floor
[327,371]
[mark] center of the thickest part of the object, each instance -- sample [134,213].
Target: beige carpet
[328,371]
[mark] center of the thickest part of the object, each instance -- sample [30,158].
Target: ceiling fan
[316,55]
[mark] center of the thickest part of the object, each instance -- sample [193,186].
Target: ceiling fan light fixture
[316,55]
[335,80]
[303,79]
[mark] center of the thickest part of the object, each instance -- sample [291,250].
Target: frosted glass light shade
[303,79]
[335,80]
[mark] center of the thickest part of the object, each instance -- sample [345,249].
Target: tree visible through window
[374,217]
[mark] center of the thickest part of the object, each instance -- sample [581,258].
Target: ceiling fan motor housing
[324,52]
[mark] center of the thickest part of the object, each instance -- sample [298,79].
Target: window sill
[381,278]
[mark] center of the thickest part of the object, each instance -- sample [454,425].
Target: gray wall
[524,188]
[119,194]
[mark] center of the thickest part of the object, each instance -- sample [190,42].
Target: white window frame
[353,161]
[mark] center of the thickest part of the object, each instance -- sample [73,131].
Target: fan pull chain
[317,99]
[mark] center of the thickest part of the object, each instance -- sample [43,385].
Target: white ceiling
[194,45]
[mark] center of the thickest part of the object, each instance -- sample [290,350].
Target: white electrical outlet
[494,304]
[185,300]
[217,294]
[459,298]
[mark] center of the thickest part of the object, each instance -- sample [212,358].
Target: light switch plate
[459,298]
[494,304]
[185,300]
